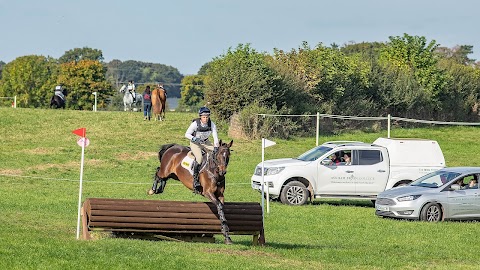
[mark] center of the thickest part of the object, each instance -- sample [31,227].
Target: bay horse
[211,176]
[128,103]
[57,101]
[159,100]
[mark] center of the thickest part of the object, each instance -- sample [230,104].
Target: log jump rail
[171,220]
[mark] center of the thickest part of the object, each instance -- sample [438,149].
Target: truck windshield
[314,153]
[435,179]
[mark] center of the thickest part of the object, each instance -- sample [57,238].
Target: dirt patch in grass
[11,171]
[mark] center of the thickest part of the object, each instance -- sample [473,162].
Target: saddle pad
[187,162]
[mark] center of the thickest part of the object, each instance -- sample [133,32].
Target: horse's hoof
[228,241]
[150,192]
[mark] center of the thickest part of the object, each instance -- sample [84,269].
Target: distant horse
[57,101]
[159,100]
[128,103]
[211,176]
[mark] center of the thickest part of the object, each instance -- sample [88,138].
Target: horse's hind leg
[158,184]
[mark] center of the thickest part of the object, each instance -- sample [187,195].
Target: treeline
[81,71]
[407,76]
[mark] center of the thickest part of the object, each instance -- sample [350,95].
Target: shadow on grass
[340,202]
[287,246]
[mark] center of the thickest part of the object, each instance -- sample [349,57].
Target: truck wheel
[431,212]
[294,193]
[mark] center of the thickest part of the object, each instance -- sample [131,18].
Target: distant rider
[198,133]
[131,89]
[59,92]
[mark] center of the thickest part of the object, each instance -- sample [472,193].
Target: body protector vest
[203,130]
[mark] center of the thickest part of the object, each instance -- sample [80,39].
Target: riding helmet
[204,111]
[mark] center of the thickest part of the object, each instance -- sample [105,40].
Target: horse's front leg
[221,215]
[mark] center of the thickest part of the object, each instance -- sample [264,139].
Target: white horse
[128,100]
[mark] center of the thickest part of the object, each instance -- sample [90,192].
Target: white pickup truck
[373,168]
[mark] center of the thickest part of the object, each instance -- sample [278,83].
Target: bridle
[214,164]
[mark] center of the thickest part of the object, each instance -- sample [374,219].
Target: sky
[187,34]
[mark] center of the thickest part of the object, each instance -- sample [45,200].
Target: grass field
[39,172]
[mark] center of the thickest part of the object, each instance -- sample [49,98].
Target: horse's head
[222,157]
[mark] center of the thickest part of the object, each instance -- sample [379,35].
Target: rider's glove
[215,150]
[195,140]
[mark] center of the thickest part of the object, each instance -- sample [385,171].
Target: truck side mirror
[326,162]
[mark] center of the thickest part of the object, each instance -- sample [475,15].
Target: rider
[198,133]
[164,90]
[59,91]
[131,89]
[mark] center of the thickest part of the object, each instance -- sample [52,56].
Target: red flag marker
[80,132]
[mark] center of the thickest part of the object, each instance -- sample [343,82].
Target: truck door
[333,176]
[370,171]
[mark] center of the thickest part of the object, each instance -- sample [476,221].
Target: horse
[159,100]
[128,103]
[57,101]
[211,176]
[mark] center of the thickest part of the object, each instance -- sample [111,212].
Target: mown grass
[39,172]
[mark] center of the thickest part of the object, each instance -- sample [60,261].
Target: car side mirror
[455,187]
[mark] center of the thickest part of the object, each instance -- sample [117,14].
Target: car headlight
[408,198]
[269,171]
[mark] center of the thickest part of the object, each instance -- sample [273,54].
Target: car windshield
[314,153]
[435,179]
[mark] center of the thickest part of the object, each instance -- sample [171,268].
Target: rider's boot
[196,181]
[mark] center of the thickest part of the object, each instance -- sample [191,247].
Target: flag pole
[80,189]
[263,180]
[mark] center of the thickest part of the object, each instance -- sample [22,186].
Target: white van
[373,168]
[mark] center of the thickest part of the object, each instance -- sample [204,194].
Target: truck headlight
[273,170]
[408,198]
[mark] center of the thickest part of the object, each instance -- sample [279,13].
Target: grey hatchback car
[446,194]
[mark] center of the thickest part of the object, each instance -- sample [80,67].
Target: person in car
[335,160]
[472,184]
[347,159]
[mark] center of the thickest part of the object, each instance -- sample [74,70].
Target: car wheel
[431,212]
[294,193]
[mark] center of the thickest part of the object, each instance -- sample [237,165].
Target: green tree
[192,91]
[81,79]
[240,77]
[414,55]
[31,78]
[78,54]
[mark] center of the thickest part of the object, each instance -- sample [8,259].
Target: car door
[334,178]
[465,202]
[369,170]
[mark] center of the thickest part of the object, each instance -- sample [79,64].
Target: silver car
[450,193]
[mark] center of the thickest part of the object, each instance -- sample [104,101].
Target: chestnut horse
[211,176]
[159,100]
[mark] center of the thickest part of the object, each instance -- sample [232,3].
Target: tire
[431,212]
[294,193]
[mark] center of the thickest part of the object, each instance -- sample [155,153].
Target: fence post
[388,124]
[15,102]
[318,128]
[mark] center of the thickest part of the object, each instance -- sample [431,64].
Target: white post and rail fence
[389,118]
[14,102]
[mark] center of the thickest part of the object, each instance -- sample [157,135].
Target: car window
[369,157]
[435,179]
[314,153]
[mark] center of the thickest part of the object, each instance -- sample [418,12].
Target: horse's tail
[164,148]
